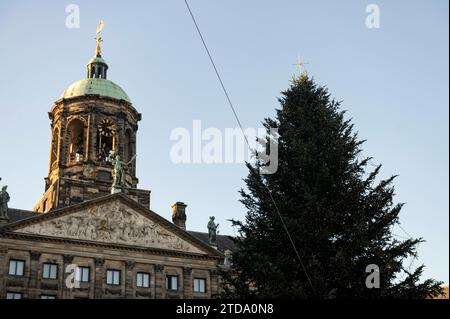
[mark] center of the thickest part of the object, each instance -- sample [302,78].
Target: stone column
[99,277]
[87,136]
[92,129]
[214,283]
[3,271]
[187,283]
[66,292]
[120,135]
[160,284]
[129,290]
[63,137]
[34,275]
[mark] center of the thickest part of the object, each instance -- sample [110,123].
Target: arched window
[106,140]
[128,151]
[54,147]
[76,142]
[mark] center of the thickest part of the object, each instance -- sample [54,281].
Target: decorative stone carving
[228,258]
[35,255]
[99,262]
[49,286]
[146,294]
[129,265]
[113,291]
[187,271]
[15,282]
[159,268]
[111,223]
[68,259]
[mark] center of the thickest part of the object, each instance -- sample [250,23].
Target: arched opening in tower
[106,141]
[76,142]
[129,150]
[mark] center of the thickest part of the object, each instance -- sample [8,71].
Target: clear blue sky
[393,81]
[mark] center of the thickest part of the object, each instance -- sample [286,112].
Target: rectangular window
[48,297]
[172,282]
[143,280]
[199,285]
[13,295]
[50,271]
[16,267]
[82,274]
[113,277]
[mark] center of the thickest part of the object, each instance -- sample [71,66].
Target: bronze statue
[118,168]
[4,199]
[212,231]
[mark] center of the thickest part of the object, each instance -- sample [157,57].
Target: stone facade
[105,241]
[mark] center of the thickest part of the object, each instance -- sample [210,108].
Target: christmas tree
[314,226]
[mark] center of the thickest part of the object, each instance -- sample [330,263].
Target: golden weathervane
[98,50]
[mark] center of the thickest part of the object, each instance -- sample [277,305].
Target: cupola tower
[92,122]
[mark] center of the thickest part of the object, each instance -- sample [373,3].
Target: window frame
[16,261]
[114,271]
[80,272]
[50,265]
[44,296]
[143,274]
[199,279]
[171,282]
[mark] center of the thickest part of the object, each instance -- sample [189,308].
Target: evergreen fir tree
[339,215]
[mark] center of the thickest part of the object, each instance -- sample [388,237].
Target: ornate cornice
[155,251]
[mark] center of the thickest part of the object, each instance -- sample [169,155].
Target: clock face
[107,127]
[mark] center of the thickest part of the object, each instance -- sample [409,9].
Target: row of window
[113,276]
[16,268]
[18,295]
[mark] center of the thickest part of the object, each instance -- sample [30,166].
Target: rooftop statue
[212,231]
[4,199]
[117,173]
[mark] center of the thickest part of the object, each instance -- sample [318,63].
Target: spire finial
[98,50]
[301,66]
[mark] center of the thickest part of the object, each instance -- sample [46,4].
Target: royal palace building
[93,234]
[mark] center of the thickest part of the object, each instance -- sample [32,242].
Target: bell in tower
[93,123]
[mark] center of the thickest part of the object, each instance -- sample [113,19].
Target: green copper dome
[96,81]
[102,87]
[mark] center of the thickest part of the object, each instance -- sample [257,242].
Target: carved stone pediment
[111,222]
